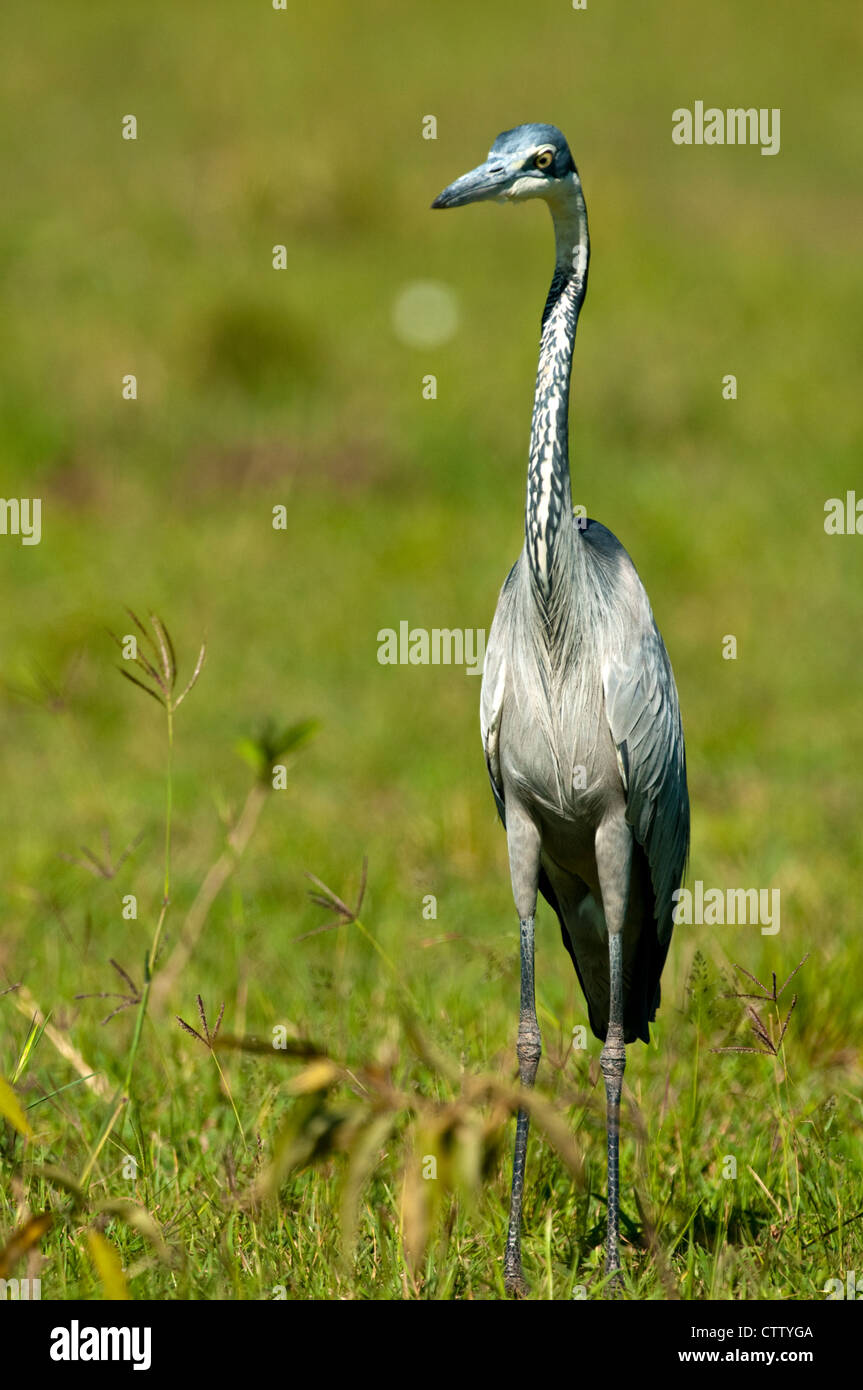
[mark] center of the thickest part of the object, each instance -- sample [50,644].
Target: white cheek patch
[526,187]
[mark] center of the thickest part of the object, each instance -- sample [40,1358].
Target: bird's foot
[614,1275]
[514,1282]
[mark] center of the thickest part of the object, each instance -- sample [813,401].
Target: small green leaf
[107,1265]
[10,1109]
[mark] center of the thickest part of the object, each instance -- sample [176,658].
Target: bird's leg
[529,1049]
[613,1061]
[523,844]
[614,862]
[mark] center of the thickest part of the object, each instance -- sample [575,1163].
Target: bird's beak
[489,180]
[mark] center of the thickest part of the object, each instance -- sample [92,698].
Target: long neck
[547,523]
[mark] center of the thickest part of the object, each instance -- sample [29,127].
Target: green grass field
[305,1170]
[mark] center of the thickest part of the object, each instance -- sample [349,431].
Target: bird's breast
[555,745]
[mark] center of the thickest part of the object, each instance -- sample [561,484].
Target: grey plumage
[579,711]
[605,703]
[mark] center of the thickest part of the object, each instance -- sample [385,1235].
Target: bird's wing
[644,717]
[493,688]
[490,708]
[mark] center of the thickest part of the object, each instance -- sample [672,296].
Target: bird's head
[531,161]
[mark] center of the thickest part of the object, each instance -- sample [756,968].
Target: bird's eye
[544,159]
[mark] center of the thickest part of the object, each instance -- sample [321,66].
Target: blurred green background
[259,387]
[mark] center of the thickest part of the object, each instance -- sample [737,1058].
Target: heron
[579,712]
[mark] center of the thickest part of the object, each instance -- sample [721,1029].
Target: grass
[352,1061]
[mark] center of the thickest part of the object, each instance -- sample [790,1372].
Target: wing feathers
[644,718]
